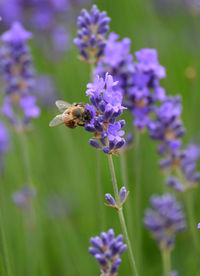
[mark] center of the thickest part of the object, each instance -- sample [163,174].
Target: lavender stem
[166,262]
[137,193]
[126,184]
[25,156]
[3,242]
[191,219]
[100,191]
[121,216]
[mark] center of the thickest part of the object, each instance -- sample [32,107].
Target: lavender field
[99,138]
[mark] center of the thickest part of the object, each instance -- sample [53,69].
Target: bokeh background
[63,168]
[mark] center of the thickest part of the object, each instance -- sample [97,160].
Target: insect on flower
[73,115]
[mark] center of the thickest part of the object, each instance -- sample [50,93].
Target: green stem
[191,219]
[121,216]
[4,249]
[137,195]
[25,156]
[100,192]
[166,262]
[126,184]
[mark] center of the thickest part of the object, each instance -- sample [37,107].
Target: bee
[73,115]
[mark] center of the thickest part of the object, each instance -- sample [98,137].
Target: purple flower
[110,199]
[174,273]
[47,18]
[198,226]
[117,61]
[4,144]
[16,35]
[107,249]
[175,184]
[4,139]
[189,158]
[168,129]
[148,62]
[164,220]
[138,80]
[106,107]
[145,90]
[93,27]
[45,91]
[23,197]
[123,194]
[16,66]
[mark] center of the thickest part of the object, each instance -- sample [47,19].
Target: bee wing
[58,120]
[62,105]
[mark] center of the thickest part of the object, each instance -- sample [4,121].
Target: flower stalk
[126,184]
[137,173]
[121,216]
[166,261]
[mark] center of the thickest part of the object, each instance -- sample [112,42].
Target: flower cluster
[123,194]
[105,109]
[18,75]
[145,90]
[93,27]
[167,128]
[45,90]
[117,61]
[22,197]
[186,176]
[165,220]
[138,80]
[107,250]
[4,143]
[46,17]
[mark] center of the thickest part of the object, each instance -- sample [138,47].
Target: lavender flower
[16,67]
[4,144]
[22,197]
[165,220]
[105,109]
[107,250]
[188,164]
[145,90]
[198,226]
[48,18]
[138,81]
[4,139]
[167,128]
[45,91]
[123,194]
[174,273]
[117,61]
[93,27]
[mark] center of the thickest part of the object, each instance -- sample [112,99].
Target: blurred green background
[63,163]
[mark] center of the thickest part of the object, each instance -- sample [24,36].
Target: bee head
[87,116]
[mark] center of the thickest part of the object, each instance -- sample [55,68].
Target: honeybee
[73,115]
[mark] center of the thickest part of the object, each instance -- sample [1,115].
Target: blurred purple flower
[4,144]
[18,75]
[22,198]
[48,18]
[165,220]
[4,139]
[45,91]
